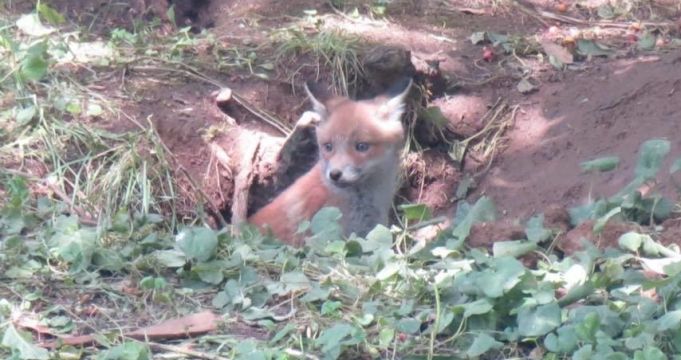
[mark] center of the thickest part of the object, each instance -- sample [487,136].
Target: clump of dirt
[485,234]
[431,179]
[608,237]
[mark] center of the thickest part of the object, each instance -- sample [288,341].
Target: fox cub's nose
[335,174]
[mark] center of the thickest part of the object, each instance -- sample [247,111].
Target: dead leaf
[187,326]
[526,87]
[560,53]
[184,327]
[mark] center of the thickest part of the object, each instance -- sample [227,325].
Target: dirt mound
[607,110]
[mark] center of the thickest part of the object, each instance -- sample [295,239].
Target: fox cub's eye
[328,146]
[361,146]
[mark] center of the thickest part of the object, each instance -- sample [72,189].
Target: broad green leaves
[197,243]
[14,340]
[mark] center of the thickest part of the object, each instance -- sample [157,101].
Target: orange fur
[359,144]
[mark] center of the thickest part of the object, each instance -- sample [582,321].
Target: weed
[331,50]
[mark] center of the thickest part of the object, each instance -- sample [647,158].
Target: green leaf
[497,38]
[477,307]
[591,48]
[417,212]
[25,115]
[587,328]
[197,243]
[385,337]
[34,67]
[482,344]
[332,339]
[482,211]
[409,325]
[170,258]
[287,329]
[630,241]
[289,282]
[651,156]
[650,353]
[584,353]
[602,164]
[478,37]
[646,42]
[535,230]
[514,248]
[325,226]
[669,321]
[676,166]
[14,340]
[49,14]
[599,224]
[128,350]
[210,272]
[330,307]
[505,274]
[605,11]
[564,341]
[538,321]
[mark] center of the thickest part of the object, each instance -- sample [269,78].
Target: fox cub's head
[359,139]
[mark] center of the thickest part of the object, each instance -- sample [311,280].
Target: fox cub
[357,172]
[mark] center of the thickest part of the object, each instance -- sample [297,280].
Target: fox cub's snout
[359,140]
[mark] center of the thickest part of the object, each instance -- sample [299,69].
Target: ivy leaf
[477,307]
[650,353]
[591,48]
[505,274]
[646,42]
[669,321]
[51,15]
[417,212]
[651,156]
[483,210]
[482,344]
[601,164]
[197,243]
[676,166]
[34,64]
[535,230]
[170,258]
[14,340]
[538,321]
[126,351]
[514,248]
[332,339]
[631,241]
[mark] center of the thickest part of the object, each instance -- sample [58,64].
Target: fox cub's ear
[317,104]
[392,108]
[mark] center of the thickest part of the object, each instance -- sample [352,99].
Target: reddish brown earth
[605,107]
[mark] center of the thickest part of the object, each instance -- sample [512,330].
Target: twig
[422,224]
[188,70]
